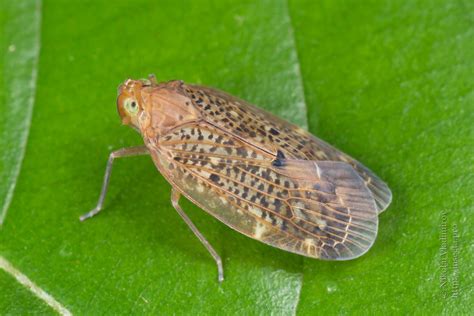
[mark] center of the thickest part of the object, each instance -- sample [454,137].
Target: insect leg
[123,152]
[175,195]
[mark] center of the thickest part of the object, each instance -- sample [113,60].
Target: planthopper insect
[260,175]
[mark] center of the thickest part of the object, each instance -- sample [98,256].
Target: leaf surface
[389,83]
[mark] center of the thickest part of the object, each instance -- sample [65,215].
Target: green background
[389,82]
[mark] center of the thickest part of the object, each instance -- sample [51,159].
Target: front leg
[124,152]
[175,195]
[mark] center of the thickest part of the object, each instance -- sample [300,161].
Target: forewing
[269,132]
[319,209]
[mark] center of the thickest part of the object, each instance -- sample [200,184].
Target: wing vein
[328,206]
[318,237]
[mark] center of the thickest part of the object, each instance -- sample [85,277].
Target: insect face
[129,102]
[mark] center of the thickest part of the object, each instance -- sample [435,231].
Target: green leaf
[390,83]
[17,300]
[18,71]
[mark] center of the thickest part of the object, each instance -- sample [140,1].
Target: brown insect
[260,175]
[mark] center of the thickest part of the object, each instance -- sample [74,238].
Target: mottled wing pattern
[319,209]
[272,133]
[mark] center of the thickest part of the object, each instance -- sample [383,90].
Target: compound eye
[131,106]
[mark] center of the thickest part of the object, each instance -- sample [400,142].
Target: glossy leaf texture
[389,83]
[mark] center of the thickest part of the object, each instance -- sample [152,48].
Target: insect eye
[131,106]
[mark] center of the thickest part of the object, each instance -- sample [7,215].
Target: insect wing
[266,130]
[319,209]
